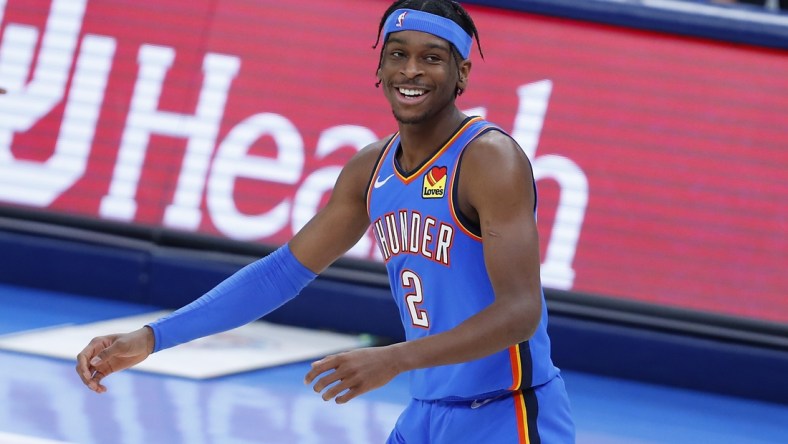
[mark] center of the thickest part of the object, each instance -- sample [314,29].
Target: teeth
[411,92]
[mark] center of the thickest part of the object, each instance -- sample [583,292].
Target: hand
[2,91]
[105,355]
[357,371]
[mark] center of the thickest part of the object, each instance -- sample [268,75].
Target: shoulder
[495,153]
[374,150]
[365,160]
[495,170]
[357,172]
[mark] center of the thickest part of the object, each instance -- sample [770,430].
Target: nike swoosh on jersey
[379,183]
[476,403]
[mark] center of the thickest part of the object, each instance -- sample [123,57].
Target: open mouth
[411,92]
[411,95]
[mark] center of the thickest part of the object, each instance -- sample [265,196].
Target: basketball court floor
[42,401]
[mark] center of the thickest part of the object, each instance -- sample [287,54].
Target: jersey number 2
[411,281]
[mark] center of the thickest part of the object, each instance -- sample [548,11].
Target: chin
[410,119]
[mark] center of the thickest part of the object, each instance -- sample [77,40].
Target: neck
[420,140]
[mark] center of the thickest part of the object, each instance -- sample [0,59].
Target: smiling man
[452,202]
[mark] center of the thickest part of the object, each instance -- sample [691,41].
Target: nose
[412,68]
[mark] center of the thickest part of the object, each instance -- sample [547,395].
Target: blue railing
[738,23]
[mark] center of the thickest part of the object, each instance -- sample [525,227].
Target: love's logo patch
[434,183]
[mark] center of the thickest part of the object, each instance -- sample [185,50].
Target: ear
[465,71]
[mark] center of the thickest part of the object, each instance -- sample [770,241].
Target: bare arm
[338,226]
[496,188]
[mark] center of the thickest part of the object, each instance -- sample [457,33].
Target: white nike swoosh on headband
[379,183]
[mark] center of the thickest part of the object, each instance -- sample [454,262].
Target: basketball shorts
[538,415]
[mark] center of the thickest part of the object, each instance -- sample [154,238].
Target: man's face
[419,75]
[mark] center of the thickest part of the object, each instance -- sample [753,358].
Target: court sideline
[42,400]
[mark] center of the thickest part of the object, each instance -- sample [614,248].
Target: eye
[396,54]
[433,59]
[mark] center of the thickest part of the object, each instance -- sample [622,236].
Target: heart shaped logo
[435,175]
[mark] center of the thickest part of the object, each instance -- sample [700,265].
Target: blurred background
[149,150]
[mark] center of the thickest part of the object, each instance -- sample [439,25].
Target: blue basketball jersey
[437,273]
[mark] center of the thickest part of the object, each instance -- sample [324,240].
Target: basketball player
[452,201]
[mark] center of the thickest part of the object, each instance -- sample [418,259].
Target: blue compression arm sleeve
[252,292]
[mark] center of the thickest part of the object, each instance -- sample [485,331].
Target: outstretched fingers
[347,375]
[338,377]
[342,392]
[318,368]
[331,379]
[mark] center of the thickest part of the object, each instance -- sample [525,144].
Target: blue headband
[412,20]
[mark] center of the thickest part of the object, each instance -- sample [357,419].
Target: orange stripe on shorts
[521,418]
